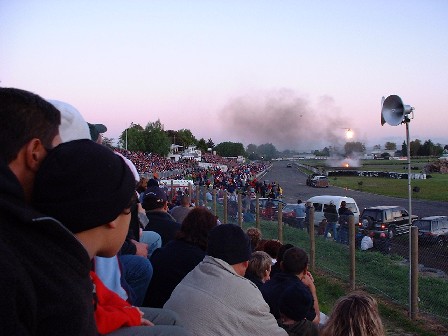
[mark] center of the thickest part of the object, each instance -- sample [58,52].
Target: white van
[319,201]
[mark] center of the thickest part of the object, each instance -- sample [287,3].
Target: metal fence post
[257,211]
[414,274]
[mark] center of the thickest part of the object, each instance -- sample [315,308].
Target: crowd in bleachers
[79,249]
[236,176]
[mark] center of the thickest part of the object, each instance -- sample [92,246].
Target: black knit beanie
[295,302]
[230,243]
[83,185]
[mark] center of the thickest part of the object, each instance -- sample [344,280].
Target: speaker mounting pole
[394,113]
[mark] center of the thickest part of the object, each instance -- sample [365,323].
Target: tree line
[153,138]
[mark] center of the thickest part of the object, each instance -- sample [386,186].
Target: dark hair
[295,260]
[196,226]
[282,250]
[25,116]
[255,237]
[271,247]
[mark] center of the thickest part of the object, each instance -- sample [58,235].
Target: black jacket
[171,264]
[162,223]
[44,279]
[274,288]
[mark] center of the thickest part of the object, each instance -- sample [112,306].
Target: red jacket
[111,311]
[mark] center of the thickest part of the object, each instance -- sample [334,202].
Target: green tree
[390,145]
[323,152]
[230,149]
[377,147]
[252,152]
[415,147]
[202,145]
[430,149]
[267,151]
[210,143]
[172,135]
[156,139]
[404,149]
[133,138]
[186,138]
[354,147]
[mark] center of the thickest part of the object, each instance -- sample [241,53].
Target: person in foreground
[294,272]
[354,315]
[99,223]
[294,304]
[45,284]
[215,298]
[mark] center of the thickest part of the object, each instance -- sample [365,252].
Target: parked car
[433,230]
[289,213]
[266,211]
[320,201]
[318,181]
[393,219]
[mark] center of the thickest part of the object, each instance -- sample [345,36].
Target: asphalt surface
[293,183]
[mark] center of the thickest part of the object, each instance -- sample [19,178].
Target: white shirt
[366,243]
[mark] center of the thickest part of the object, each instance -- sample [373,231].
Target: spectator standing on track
[308,207]
[343,213]
[300,212]
[331,215]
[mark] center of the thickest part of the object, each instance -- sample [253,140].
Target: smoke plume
[285,119]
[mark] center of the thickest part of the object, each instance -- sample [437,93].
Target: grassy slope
[331,276]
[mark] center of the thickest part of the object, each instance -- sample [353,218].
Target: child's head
[86,186]
[295,302]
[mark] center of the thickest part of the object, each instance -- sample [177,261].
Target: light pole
[394,113]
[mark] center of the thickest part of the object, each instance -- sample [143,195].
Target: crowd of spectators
[236,176]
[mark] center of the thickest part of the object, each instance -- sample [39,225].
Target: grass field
[434,188]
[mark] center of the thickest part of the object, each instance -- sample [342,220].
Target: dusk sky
[291,73]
